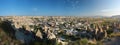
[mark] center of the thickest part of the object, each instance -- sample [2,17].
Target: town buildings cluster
[64,29]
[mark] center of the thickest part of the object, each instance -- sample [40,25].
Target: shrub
[84,41]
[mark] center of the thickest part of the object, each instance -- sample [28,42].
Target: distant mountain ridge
[116,16]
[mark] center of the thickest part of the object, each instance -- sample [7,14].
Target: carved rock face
[39,34]
[51,35]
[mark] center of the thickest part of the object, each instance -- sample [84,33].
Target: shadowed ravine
[25,37]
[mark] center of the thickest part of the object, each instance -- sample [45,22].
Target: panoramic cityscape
[59,22]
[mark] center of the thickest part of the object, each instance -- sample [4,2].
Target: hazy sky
[60,7]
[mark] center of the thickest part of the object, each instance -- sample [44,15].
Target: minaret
[94,26]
